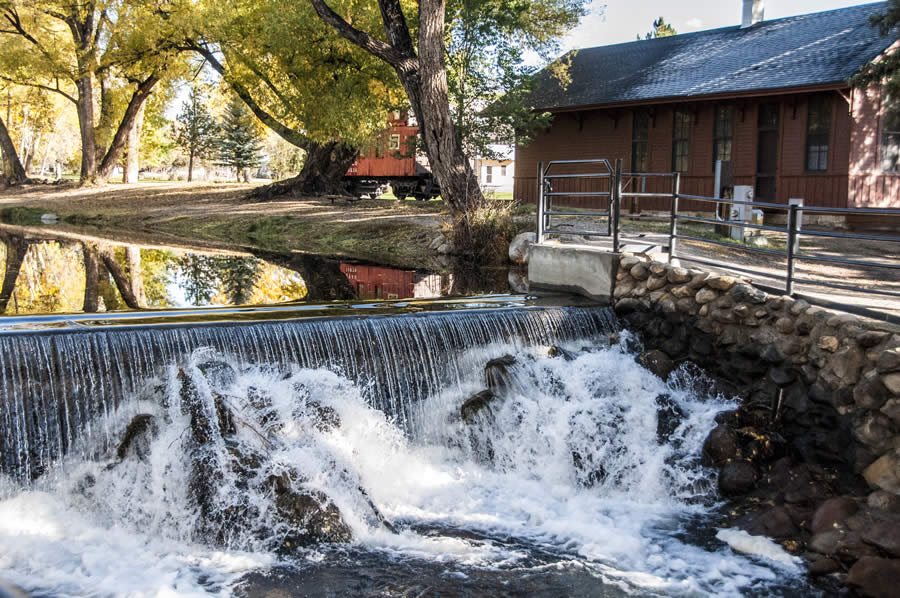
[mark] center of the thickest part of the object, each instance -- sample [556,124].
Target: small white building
[496,174]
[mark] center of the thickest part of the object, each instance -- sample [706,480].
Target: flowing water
[581,478]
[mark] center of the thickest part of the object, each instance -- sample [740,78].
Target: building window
[394,144]
[818,132]
[890,137]
[723,133]
[503,171]
[640,132]
[488,174]
[681,140]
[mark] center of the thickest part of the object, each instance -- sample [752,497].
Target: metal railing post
[791,242]
[615,203]
[540,203]
[673,222]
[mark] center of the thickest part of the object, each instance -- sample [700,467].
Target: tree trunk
[91,279]
[424,77]
[122,282]
[132,157]
[18,175]
[135,274]
[85,108]
[191,165]
[16,248]
[322,173]
[114,153]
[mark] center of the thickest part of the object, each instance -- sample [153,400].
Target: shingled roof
[808,50]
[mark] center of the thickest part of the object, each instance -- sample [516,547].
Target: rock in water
[555,351]
[475,404]
[497,373]
[737,477]
[137,437]
[658,363]
[721,445]
[312,518]
[875,577]
[518,248]
[668,417]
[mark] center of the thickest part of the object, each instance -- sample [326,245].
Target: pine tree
[660,29]
[196,129]
[239,140]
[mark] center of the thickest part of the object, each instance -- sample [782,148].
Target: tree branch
[39,86]
[364,40]
[293,137]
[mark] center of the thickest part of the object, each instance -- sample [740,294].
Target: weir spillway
[55,385]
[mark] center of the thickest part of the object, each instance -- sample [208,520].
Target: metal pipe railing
[619,181]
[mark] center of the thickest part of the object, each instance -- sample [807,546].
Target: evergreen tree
[196,129]
[660,29]
[239,140]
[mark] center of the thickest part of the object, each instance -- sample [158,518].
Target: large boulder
[518,248]
[475,404]
[721,445]
[137,438]
[312,516]
[658,363]
[875,577]
[497,373]
[884,473]
[831,512]
[736,478]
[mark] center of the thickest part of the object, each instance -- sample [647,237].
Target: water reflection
[47,271]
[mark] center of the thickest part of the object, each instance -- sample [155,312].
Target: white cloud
[694,23]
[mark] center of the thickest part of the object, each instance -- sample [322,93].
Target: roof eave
[777,91]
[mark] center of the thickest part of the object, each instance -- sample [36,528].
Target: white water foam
[567,460]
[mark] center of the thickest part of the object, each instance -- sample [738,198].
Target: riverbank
[391,232]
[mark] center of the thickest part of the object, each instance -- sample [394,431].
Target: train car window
[394,143]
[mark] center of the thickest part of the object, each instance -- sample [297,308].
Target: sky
[626,18]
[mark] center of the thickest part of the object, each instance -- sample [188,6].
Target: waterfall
[58,387]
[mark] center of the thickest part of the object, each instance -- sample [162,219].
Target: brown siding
[607,134]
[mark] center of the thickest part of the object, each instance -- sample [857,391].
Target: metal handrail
[793,228]
[792,252]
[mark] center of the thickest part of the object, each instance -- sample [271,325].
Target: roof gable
[814,49]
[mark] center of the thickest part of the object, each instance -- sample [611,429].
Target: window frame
[392,146]
[890,110]
[681,139]
[640,146]
[814,139]
[723,136]
[488,174]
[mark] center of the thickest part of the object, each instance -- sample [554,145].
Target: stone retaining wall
[819,418]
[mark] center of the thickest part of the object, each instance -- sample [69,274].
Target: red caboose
[391,160]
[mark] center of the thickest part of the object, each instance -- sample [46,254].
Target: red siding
[607,134]
[869,186]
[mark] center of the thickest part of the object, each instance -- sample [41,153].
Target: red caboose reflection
[391,161]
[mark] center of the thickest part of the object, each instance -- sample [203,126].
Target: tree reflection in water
[47,272]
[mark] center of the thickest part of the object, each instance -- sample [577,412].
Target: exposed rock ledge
[812,455]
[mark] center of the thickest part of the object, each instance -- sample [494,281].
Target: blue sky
[626,18]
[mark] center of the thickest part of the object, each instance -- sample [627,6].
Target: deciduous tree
[86,51]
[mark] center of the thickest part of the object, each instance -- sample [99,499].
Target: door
[767,152]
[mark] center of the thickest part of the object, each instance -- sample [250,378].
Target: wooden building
[773,97]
